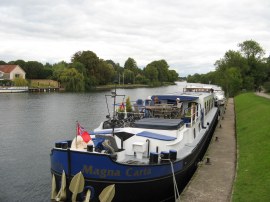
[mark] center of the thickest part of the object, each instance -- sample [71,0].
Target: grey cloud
[190,35]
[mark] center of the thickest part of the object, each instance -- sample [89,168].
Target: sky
[190,35]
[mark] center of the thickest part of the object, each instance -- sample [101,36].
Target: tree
[266,86]
[162,67]
[98,71]
[267,60]
[151,73]
[89,59]
[33,70]
[105,73]
[249,65]
[58,68]
[20,82]
[259,73]
[254,53]
[129,76]
[46,73]
[131,65]
[248,83]
[196,78]
[233,59]
[233,81]
[128,105]
[172,76]
[141,79]
[251,49]
[48,65]
[79,67]
[72,80]
[118,69]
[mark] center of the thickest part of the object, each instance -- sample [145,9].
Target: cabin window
[194,133]
[17,75]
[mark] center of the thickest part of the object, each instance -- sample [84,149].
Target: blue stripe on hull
[100,166]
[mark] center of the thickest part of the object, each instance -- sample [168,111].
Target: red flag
[122,106]
[83,133]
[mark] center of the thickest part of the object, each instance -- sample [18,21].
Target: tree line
[87,70]
[243,70]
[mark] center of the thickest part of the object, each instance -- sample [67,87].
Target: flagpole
[114,111]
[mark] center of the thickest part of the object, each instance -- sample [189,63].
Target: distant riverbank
[111,86]
[50,83]
[128,86]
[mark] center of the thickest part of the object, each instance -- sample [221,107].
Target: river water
[31,123]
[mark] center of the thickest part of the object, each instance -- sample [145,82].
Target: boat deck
[159,123]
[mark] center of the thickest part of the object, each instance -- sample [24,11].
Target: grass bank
[253,141]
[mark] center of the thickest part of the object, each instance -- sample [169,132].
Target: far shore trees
[87,70]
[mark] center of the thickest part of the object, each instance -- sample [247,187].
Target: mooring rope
[176,191]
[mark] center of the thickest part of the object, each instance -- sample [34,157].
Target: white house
[9,72]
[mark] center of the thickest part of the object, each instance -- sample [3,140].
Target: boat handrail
[190,116]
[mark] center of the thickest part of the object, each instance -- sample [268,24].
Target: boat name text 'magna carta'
[103,173]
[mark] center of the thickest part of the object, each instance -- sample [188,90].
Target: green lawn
[253,141]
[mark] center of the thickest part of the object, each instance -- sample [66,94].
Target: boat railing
[190,116]
[124,115]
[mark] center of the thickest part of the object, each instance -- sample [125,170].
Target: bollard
[208,161]
[216,139]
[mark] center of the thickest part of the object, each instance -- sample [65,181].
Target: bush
[128,105]
[20,82]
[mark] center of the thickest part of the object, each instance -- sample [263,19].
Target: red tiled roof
[7,68]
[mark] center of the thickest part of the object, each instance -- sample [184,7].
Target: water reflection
[30,123]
